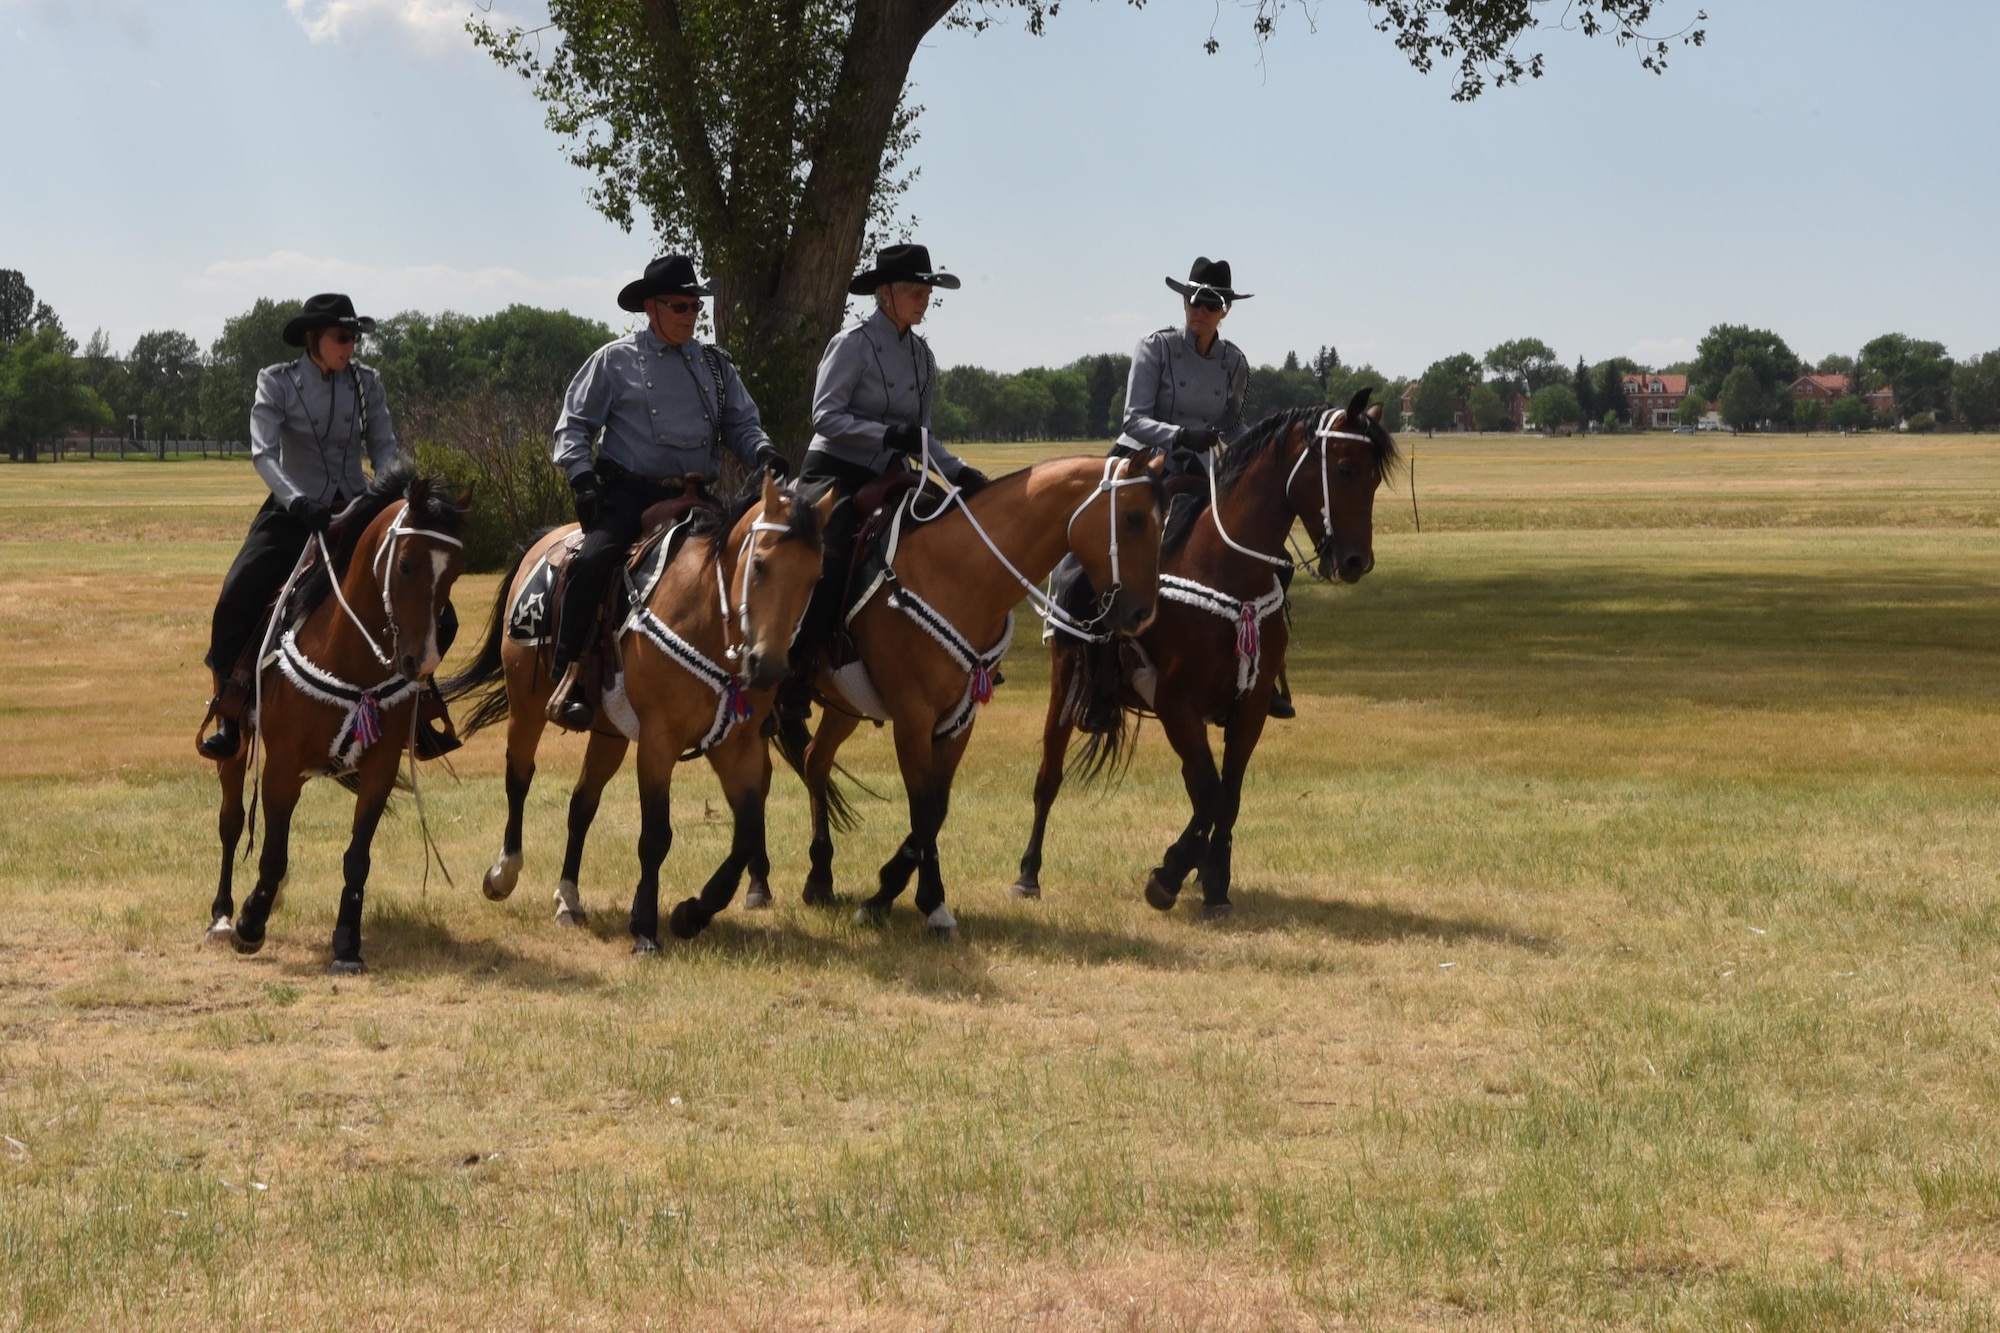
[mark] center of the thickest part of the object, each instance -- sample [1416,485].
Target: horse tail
[1105,755]
[486,674]
[793,737]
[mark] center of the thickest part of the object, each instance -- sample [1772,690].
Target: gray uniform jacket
[308,432]
[657,406]
[1173,385]
[871,379]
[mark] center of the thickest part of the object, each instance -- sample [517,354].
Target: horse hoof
[819,893]
[644,947]
[219,931]
[569,903]
[348,967]
[1216,911]
[242,943]
[686,920]
[501,877]
[1027,887]
[757,898]
[870,915]
[568,916]
[945,934]
[1159,896]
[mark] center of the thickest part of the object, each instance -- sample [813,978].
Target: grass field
[1616,947]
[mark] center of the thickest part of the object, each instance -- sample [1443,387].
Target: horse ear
[1375,414]
[1359,403]
[774,499]
[463,504]
[824,506]
[419,492]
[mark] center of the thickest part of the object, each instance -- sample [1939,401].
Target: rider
[312,422]
[871,414]
[667,404]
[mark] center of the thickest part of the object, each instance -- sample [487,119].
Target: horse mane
[801,520]
[1271,432]
[391,484]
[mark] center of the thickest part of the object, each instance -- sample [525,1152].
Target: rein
[384,570]
[1321,435]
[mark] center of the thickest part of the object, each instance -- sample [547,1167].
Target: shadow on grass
[1368,923]
[409,940]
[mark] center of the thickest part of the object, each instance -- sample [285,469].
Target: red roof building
[1652,400]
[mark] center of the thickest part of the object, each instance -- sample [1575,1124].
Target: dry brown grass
[1615,947]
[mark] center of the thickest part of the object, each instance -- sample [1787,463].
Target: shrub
[498,444]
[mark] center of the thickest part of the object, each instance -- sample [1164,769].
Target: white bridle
[1116,476]
[734,652]
[384,568]
[1321,435]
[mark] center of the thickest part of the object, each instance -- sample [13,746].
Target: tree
[1809,415]
[1430,408]
[1484,406]
[41,394]
[1276,389]
[1849,412]
[767,139]
[1918,370]
[1610,376]
[1586,393]
[165,368]
[1103,388]
[248,343]
[1975,390]
[1692,409]
[1324,363]
[1833,363]
[1729,347]
[1522,366]
[1553,406]
[103,373]
[1742,400]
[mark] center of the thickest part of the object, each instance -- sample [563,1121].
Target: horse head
[1340,464]
[778,549]
[419,552]
[1115,535]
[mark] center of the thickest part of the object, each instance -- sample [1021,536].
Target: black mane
[1276,428]
[801,520]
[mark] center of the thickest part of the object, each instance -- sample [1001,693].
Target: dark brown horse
[341,695]
[929,637]
[1219,640]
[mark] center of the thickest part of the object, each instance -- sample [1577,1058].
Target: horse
[337,677]
[703,656]
[931,629]
[1219,641]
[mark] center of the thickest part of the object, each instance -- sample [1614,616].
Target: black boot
[436,737]
[795,701]
[1281,699]
[567,707]
[223,745]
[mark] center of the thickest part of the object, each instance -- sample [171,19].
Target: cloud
[1661,351]
[386,289]
[426,25]
[128,16]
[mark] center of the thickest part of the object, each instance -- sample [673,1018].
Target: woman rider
[871,415]
[1184,397]
[312,423]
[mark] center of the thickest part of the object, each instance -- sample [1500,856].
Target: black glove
[773,462]
[584,486]
[971,481]
[1200,439]
[1183,463]
[903,439]
[309,513]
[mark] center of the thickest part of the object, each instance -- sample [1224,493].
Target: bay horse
[1219,640]
[934,626]
[337,686]
[703,656]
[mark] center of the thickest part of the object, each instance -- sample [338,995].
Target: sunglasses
[341,337]
[1206,299]
[682,307]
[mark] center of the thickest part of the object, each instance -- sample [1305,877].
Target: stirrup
[564,709]
[223,744]
[439,740]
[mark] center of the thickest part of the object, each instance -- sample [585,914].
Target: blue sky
[1822,169]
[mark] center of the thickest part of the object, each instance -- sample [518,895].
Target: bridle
[384,567]
[734,651]
[1318,445]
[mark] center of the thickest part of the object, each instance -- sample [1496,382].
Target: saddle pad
[857,688]
[531,617]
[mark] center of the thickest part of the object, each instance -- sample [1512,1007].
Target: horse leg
[834,728]
[1188,734]
[1239,741]
[742,772]
[230,826]
[282,781]
[1064,667]
[758,895]
[601,760]
[378,779]
[657,756]
[926,822]
[913,756]
[524,738]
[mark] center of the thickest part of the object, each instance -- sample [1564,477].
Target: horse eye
[1346,471]
[1136,522]
[402,566]
[757,566]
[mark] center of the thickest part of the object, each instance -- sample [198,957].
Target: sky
[1822,169]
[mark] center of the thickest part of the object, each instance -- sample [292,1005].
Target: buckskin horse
[1219,640]
[933,623]
[704,651]
[338,677]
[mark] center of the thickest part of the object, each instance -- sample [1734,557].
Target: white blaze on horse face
[432,657]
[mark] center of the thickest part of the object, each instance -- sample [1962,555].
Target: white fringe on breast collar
[731,706]
[977,666]
[1248,617]
[361,726]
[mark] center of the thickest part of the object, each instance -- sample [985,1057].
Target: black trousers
[822,616]
[622,501]
[270,553]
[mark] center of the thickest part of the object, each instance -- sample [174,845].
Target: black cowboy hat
[328,310]
[1208,275]
[669,275]
[901,263]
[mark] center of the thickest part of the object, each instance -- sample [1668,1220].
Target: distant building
[1651,400]
[1461,415]
[1826,388]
